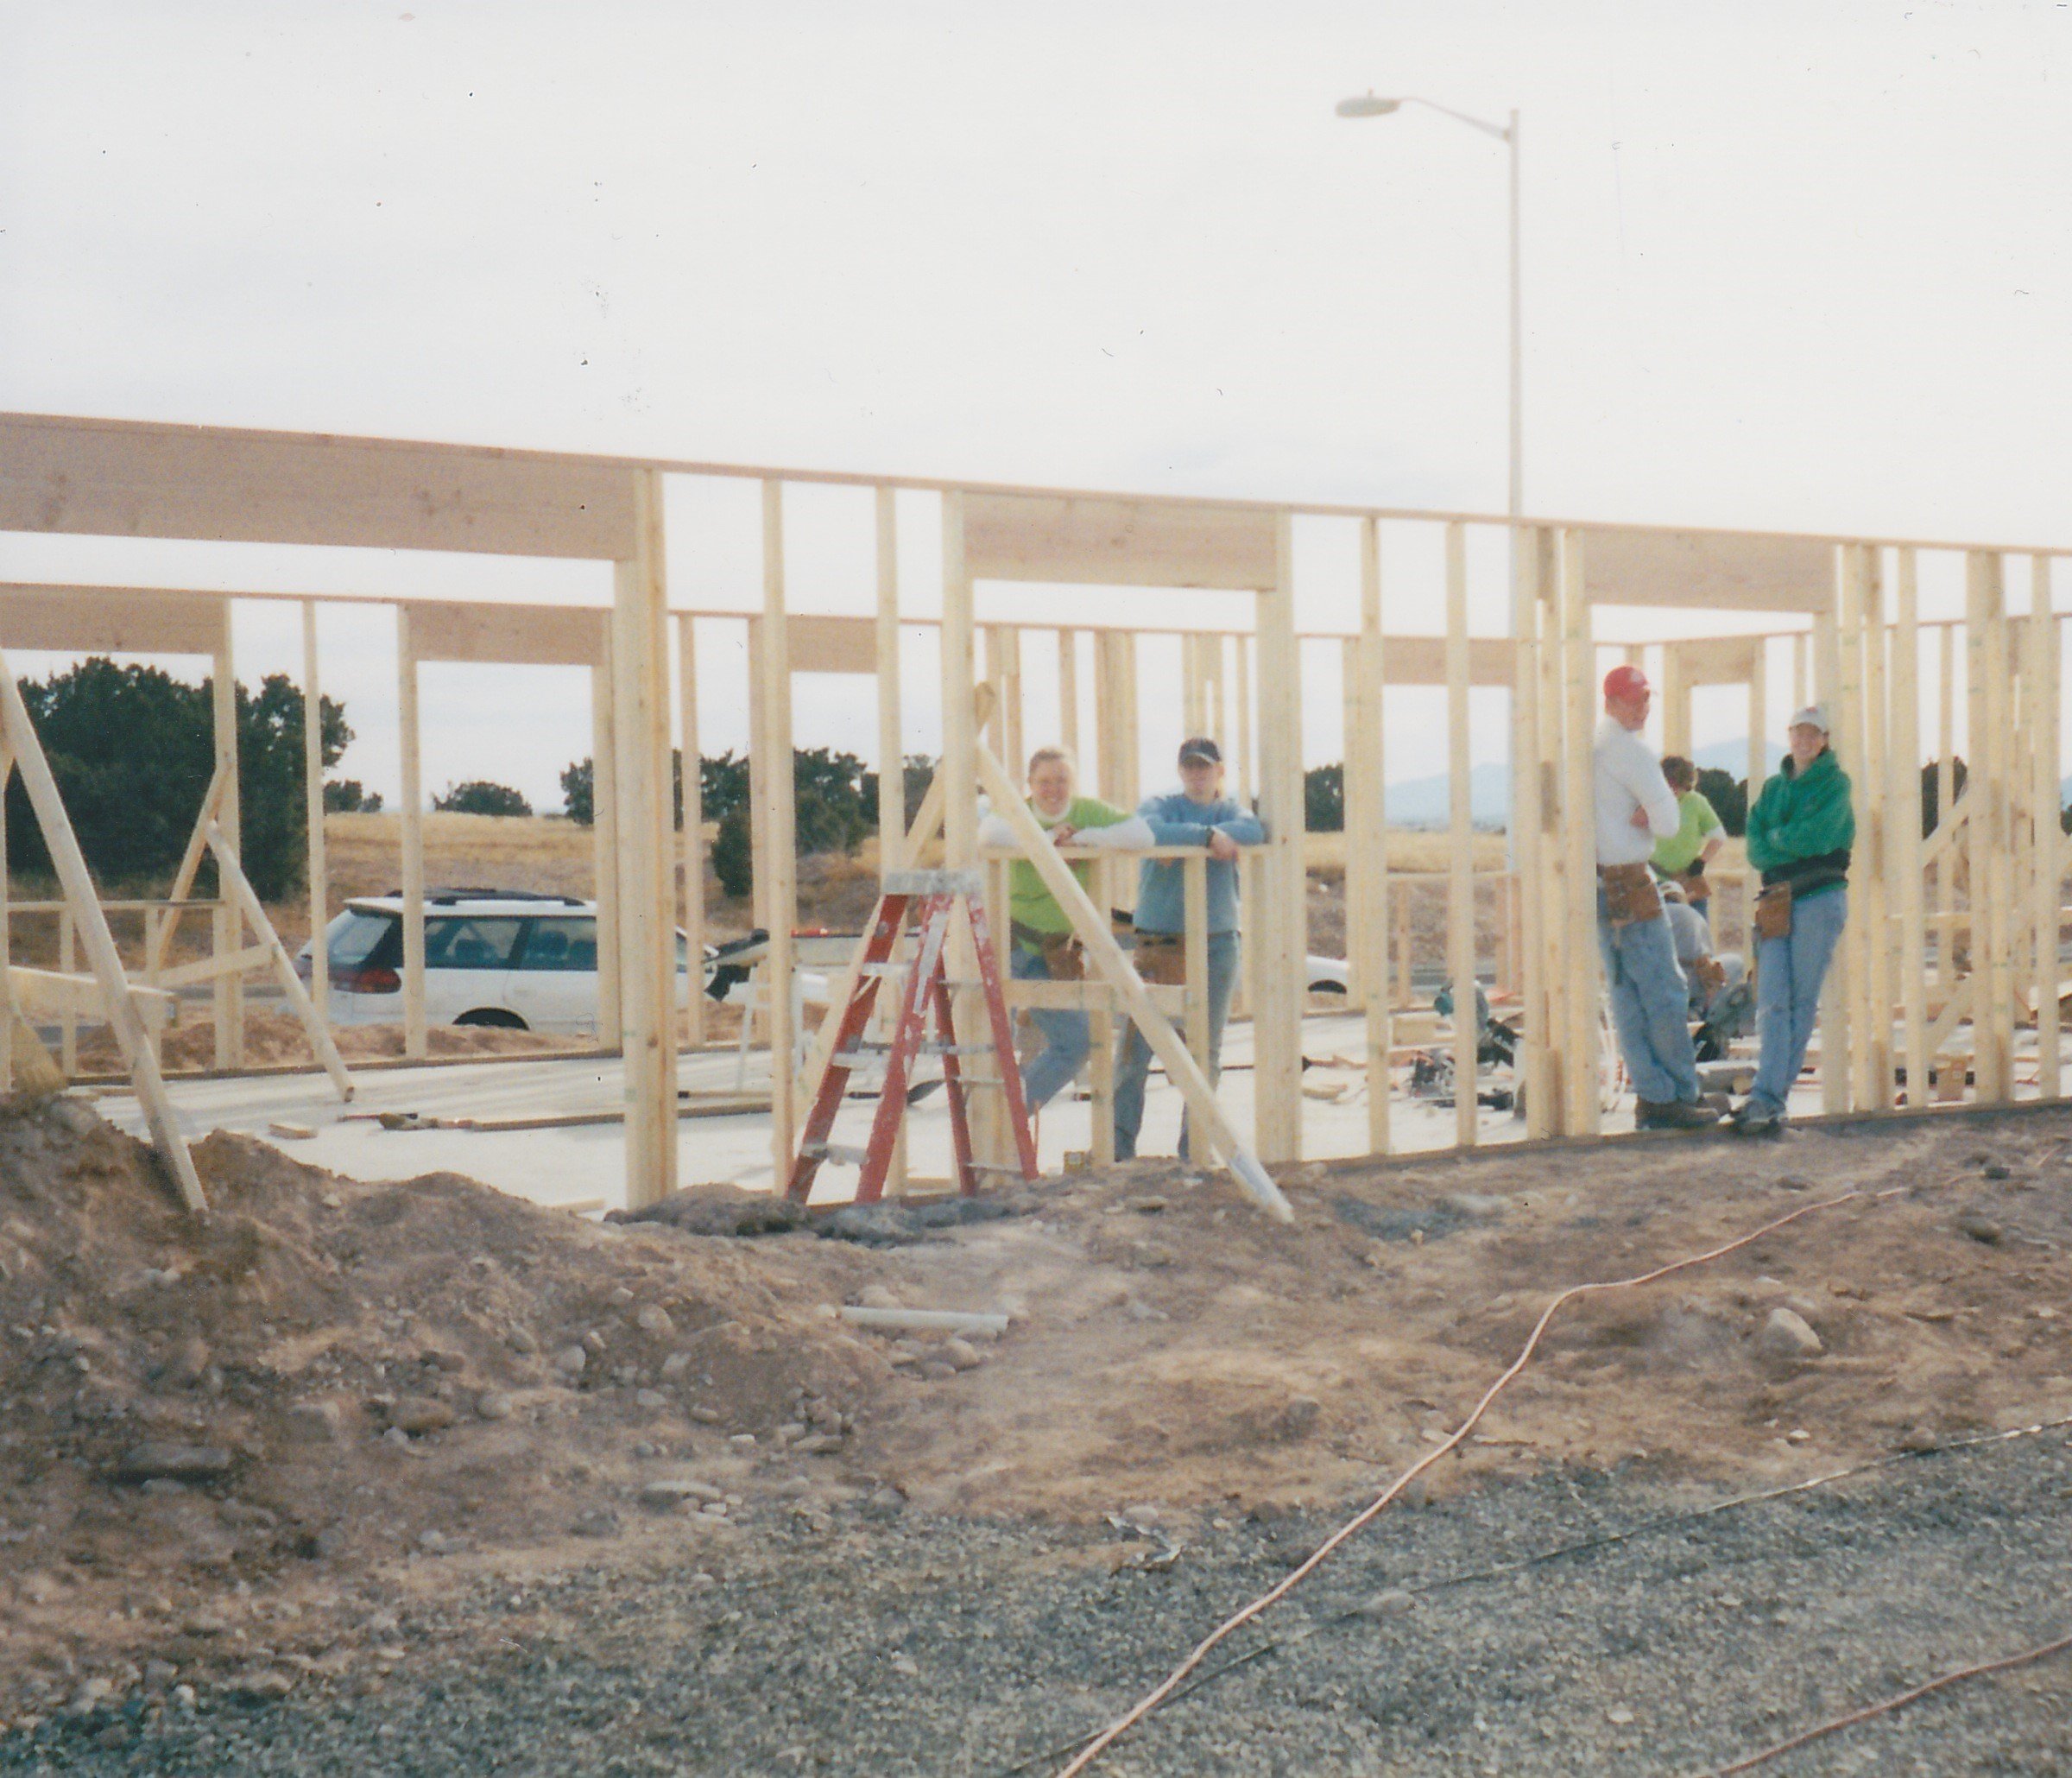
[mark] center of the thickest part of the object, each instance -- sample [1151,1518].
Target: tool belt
[1630,895]
[1064,960]
[1162,958]
[1711,973]
[1773,912]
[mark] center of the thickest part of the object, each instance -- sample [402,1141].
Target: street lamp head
[1368,106]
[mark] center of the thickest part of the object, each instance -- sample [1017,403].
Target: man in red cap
[1650,998]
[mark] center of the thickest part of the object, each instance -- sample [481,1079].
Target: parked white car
[501,957]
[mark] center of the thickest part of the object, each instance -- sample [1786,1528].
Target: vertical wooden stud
[68,1020]
[1529,556]
[780,832]
[228,991]
[1460,912]
[1583,1108]
[2046,837]
[604,837]
[1245,772]
[1992,1010]
[1353,821]
[1903,833]
[312,797]
[1946,770]
[1068,690]
[1758,718]
[647,1042]
[412,826]
[1195,945]
[1280,917]
[1369,840]
[690,746]
[1837,992]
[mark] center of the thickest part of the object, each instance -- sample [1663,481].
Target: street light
[1369,104]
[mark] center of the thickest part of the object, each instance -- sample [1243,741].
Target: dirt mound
[272,1038]
[323,1376]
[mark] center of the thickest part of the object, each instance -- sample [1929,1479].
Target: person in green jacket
[1040,932]
[1799,834]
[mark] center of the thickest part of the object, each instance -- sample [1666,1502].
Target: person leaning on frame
[1040,932]
[1635,808]
[1799,835]
[1198,814]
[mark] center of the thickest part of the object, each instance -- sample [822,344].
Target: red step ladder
[939,893]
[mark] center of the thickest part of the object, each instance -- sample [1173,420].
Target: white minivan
[492,956]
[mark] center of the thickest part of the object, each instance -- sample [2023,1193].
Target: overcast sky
[1796,265]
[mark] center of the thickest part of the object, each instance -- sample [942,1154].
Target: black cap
[1202,748]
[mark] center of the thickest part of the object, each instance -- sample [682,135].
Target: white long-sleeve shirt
[1629,777]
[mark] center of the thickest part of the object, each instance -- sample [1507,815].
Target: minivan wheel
[493,1015]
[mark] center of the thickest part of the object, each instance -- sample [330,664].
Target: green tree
[734,853]
[132,750]
[346,796]
[1323,799]
[1728,796]
[480,797]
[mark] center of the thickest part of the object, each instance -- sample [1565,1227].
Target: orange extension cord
[1274,1595]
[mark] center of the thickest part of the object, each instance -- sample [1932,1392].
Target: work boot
[1675,1114]
[1753,1120]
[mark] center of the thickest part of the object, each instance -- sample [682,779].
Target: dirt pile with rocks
[323,1376]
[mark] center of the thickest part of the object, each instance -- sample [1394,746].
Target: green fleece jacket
[1802,828]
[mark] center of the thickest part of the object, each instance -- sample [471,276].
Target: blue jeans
[1788,974]
[1067,1038]
[1133,1053]
[1650,1002]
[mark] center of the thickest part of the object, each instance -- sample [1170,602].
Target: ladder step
[891,966]
[957,1049]
[992,1081]
[862,1052]
[840,1154]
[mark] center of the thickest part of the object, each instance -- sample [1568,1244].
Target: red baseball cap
[1626,682]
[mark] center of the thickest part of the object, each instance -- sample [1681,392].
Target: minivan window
[349,939]
[470,944]
[560,945]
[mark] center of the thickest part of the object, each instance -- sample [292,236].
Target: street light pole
[1369,104]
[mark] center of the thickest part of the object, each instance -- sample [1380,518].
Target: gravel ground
[907,1644]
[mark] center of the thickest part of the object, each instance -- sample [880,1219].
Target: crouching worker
[1198,814]
[1799,835]
[1650,1000]
[1044,948]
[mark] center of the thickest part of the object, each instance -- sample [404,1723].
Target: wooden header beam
[507,635]
[69,620]
[129,478]
[1716,570]
[1119,542]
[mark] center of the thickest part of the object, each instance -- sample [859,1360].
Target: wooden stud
[2046,840]
[1758,719]
[1876,950]
[68,1022]
[892,768]
[780,834]
[1194,949]
[1992,1012]
[1529,556]
[1459,911]
[1837,990]
[689,746]
[1101,1029]
[604,839]
[1280,917]
[1369,841]
[1068,690]
[1245,771]
[1353,822]
[640,650]
[230,990]
[312,794]
[18,736]
[414,1043]
[1583,1109]
[1946,743]
[1903,836]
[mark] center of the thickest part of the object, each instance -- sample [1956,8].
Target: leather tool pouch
[1064,960]
[1630,895]
[1773,912]
[1711,974]
[1162,960]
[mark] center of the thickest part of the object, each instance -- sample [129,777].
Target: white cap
[1813,716]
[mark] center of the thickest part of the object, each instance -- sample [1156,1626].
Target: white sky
[1796,265]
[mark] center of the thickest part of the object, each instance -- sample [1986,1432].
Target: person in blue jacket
[1198,814]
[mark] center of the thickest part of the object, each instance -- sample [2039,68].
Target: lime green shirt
[1697,822]
[1029,903]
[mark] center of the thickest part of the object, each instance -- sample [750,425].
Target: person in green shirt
[1799,835]
[1683,856]
[1040,932]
